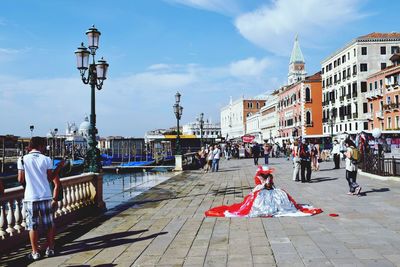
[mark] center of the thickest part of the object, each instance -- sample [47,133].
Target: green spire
[297,55]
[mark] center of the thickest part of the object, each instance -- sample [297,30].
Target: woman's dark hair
[37,142]
[349,142]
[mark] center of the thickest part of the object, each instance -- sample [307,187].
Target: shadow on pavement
[104,241]
[99,265]
[322,179]
[230,170]
[330,169]
[231,191]
[379,190]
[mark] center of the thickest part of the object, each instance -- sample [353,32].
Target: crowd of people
[306,157]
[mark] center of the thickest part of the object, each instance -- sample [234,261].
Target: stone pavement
[166,225]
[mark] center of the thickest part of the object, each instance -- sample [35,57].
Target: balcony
[348,96]
[370,95]
[379,115]
[395,106]
[341,117]
[309,124]
[308,100]
[333,101]
[368,116]
[379,93]
[324,120]
[348,116]
[355,115]
[341,98]
[387,108]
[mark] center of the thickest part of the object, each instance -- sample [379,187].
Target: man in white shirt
[35,172]
[336,154]
[215,163]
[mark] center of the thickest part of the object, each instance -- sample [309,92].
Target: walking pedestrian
[255,150]
[296,162]
[202,156]
[215,161]
[314,157]
[267,152]
[351,168]
[305,161]
[210,157]
[35,172]
[336,154]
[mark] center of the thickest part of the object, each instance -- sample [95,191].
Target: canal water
[118,188]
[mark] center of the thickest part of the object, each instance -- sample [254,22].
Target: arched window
[308,95]
[308,118]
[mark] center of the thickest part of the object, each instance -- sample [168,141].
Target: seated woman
[264,201]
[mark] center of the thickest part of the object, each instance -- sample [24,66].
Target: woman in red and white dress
[264,201]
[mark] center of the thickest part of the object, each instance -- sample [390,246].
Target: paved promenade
[166,225]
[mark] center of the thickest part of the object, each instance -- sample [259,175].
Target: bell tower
[297,70]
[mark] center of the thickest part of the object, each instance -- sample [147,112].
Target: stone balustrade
[80,191]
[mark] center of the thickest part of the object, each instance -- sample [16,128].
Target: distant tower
[297,70]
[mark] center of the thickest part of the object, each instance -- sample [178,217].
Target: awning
[184,136]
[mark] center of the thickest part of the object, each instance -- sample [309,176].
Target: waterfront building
[383,98]
[269,122]
[234,116]
[300,109]
[211,131]
[344,81]
[128,148]
[253,127]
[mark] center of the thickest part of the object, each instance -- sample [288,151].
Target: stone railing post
[178,163]
[98,184]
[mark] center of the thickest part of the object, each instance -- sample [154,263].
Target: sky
[208,50]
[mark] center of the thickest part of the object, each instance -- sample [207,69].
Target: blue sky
[209,50]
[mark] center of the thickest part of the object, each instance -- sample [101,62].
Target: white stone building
[269,122]
[344,80]
[234,115]
[210,130]
[253,127]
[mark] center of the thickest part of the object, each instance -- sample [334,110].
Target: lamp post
[52,134]
[31,128]
[332,120]
[201,123]
[97,73]
[178,114]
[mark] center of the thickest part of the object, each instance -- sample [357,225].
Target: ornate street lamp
[178,114]
[201,123]
[52,134]
[31,128]
[332,120]
[97,73]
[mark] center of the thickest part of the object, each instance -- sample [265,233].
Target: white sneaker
[49,252]
[34,256]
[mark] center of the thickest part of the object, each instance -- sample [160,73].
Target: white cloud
[7,54]
[227,7]
[248,67]
[274,26]
[160,66]
[127,105]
